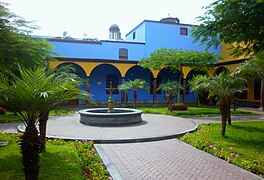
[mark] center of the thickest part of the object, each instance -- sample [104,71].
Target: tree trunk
[198,101]
[135,98]
[154,103]
[262,95]
[170,102]
[179,91]
[126,98]
[235,104]
[184,82]
[229,113]
[224,114]
[30,149]
[43,118]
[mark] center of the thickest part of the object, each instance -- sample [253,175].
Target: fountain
[110,116]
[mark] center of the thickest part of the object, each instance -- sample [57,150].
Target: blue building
[116,59]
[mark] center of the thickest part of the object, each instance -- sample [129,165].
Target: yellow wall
[226,54]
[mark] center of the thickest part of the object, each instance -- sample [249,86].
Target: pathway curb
[114,173]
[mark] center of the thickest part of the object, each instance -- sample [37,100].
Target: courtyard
[149,150]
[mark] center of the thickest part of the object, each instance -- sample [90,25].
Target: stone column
[262,96]
[184,83]
[88,84]
[123,93]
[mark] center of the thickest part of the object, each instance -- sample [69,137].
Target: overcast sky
[94,17]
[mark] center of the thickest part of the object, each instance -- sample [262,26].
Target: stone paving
[153,127]
[9,128]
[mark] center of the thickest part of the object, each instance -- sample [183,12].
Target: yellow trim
[186,71]
[88,67]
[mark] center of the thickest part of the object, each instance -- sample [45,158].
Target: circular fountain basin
[100,117]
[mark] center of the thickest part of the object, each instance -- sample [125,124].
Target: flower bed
[2,111]
[180,107]
[243,147]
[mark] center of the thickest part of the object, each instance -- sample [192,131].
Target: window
[112,79]
[123,54]
[183,31]
[134,35]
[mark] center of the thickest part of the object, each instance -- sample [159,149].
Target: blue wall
[138,72]
[98,82]
[160,35]
[77,50]
[104,50]
[81,73]
[110,50]
[140,33]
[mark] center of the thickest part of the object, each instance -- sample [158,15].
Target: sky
[94,17]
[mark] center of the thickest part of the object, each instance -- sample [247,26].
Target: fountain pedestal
[110,101]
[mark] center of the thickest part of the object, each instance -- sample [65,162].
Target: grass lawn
[9,117]
[192,111]
[62,160]
[243,144]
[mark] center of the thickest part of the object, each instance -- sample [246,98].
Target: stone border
[100,117]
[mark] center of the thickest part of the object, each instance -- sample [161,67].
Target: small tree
[254,69]
[134,85]
[17,46]
[171,88]
[233,22]
[176,59]
[223,88]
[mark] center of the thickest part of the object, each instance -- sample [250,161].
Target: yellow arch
[88,67]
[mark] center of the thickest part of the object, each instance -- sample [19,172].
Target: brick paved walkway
[167,159]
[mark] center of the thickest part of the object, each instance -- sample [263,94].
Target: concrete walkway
[154,157]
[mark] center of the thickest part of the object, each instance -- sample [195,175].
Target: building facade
[116,60]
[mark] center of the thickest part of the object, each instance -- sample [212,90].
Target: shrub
[181,107]
[91,163]
[2,111]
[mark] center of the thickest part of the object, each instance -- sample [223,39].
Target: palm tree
[32,93]
[171,88]
[222,88]
[59,86]
[22,95]
[134,85]
[197,85]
